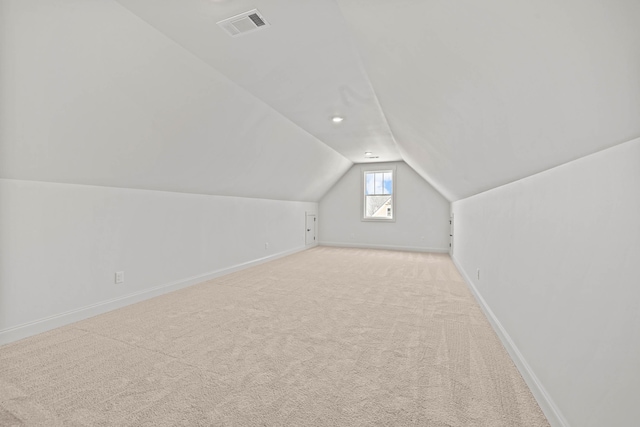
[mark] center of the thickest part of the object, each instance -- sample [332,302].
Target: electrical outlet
[119,277]
[266,245]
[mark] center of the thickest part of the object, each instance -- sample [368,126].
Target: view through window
[378,195]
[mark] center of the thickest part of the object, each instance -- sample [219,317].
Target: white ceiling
[153,94]
[482,93]
[93,95]
[303,65]
[477,94]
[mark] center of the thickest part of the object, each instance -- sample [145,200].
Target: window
[378,199]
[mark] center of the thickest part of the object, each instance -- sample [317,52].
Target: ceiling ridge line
[364,71]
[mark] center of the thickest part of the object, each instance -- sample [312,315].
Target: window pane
[378,195]
[388,183]
[378,206]
[369,183]
[379,182]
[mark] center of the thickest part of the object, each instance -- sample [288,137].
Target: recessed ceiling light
[337,119]
[368,153]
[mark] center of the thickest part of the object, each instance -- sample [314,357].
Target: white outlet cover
[119,276]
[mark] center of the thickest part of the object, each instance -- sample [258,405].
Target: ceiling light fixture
[368,153]
[337,119]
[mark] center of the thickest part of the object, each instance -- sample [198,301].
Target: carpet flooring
[324,337]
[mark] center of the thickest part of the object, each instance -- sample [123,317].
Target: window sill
[378,219]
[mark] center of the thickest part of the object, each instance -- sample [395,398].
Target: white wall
[60,245]
[99,110]
[422,214]
[558,254]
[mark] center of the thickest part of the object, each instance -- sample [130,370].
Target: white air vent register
[244,23]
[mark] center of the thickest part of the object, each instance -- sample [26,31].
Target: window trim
[381,168]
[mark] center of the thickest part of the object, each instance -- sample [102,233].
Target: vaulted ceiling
[482,93]
[154,94]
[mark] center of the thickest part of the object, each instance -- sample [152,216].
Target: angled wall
[558,255]
[422,214]
[121,151]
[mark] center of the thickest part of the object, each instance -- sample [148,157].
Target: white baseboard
[387,247]
[548,406]
[28,329]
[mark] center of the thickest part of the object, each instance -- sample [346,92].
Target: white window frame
[372,168]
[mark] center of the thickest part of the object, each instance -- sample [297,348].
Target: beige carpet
[325,337]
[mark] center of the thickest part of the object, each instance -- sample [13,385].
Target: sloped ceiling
[481,93]
[304,65]
[153,94]
[90,94]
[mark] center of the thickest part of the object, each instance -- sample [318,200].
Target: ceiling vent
[244,23]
